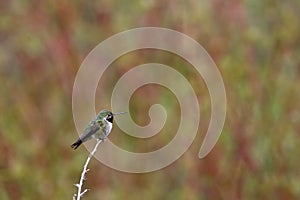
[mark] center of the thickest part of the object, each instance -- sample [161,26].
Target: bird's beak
[119,113]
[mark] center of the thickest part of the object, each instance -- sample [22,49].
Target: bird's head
[108,115]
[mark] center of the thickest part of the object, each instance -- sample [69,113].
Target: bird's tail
[76,144]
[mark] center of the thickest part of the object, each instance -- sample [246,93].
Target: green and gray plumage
[99,128]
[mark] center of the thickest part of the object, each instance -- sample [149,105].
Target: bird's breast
[109,127]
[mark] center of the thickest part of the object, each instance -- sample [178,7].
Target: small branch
[84,171]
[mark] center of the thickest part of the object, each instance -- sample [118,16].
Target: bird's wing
[92,128]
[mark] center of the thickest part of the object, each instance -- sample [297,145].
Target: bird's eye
[109,118]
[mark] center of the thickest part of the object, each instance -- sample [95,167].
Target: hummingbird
[99,128]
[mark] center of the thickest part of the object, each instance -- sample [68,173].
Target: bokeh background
[256,46]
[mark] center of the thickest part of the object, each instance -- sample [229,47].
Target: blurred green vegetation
[256,46]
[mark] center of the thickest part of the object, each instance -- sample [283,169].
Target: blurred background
[256,46]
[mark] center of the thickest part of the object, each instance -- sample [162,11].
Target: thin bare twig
[84,171]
